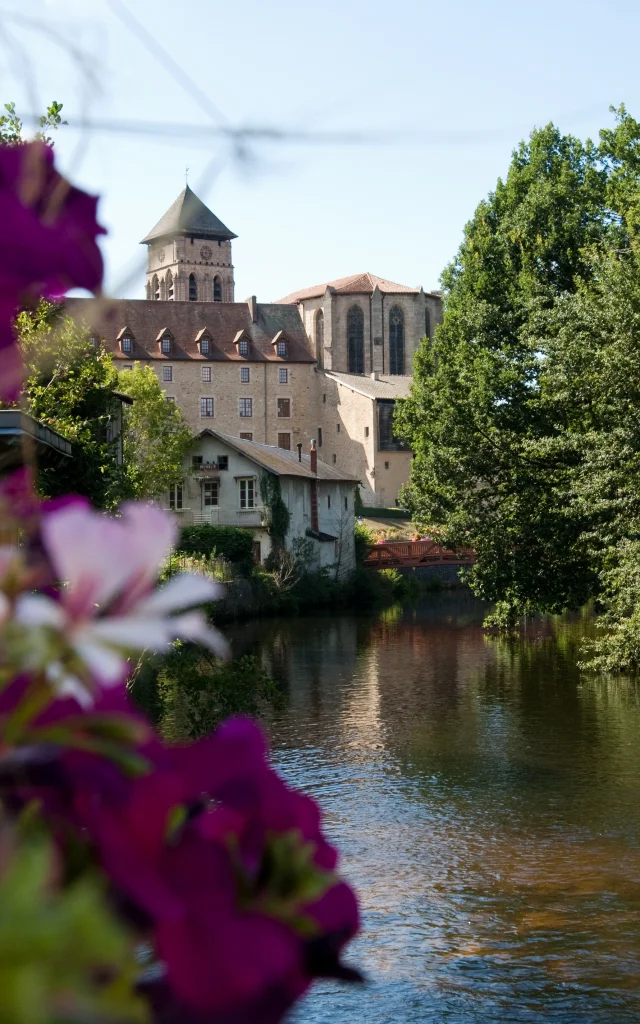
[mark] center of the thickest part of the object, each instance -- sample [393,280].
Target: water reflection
[485,795]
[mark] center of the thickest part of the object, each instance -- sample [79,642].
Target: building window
[165,346]
[223,462]
[427,324]
[126,344]
[328,501]
[217,289]
[245,406]
[243,348]
[319,334]
[93,341]
[284,408]
[175,497]
[127,366]
[167,372]
[204,347]
[210,493]
[386,465]
[196,461]
[396,340]
[284,376]
[324,399]
[355,339]
[206,374]
[333,459]
[319,437]
[169,285]
[170,399]
[155,287]
[281,349]
[245,374]
[206,406]
[346,504]
[337,428]
[366,431]
[246,435]
[386,439]
[247,493]
[193,288]
[284,441]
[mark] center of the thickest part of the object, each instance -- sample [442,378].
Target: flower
[107,607]
[50,232]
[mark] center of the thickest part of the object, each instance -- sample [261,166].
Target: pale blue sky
[477,77]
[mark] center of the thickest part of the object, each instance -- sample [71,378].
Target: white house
[221,485]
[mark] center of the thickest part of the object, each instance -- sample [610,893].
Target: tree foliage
[12,127]
[524,411]
[156,437]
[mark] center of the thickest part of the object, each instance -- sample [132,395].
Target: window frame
[248,501]
[283,375]
[243,348]
[245,375]
[204,404]
[165,345]
[246,435]
[281,349]
[211,486]
[205,346]
[205,374]
[245,404]
[279,404]
[176,496]
[167,374]
[282,434]
[126,344]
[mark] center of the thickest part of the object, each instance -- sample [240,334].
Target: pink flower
[49,231]
[108,608]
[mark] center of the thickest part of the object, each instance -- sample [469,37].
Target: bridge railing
[412,553]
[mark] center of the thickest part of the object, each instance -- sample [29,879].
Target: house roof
[384,386]
[357,284]
[279,461]
[147,320]
[189,216]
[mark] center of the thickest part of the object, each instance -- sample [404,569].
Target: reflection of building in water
[360,709]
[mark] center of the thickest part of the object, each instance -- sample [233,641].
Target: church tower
[189,254]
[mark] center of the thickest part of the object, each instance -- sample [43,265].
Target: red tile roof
[356,284]
[146,322]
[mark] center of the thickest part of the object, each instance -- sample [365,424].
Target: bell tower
[189,254]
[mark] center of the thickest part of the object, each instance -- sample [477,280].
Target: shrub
[227,541]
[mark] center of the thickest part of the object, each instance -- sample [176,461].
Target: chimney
[375,375]
[252,303]
[313,453]
[299,446]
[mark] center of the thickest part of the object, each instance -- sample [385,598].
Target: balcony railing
[216,516]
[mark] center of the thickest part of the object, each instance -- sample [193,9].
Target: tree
[522,415]
[12,127]
[156,436]
[70,387]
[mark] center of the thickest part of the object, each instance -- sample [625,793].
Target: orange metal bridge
[413,553]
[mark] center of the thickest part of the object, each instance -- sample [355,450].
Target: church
[323,364]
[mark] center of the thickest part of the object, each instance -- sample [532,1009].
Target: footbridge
[412,554]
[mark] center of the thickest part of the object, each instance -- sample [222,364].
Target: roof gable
[189,216]
[356,284]
[277,460]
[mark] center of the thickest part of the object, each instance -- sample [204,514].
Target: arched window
[319,336]
[169,285]
[396,340]
[427,323]
[193,288]
[217,289]
[155,287]
[355,339]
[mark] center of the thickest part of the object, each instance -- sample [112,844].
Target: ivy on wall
[277,515]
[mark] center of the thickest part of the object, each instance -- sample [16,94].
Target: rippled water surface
[486,798]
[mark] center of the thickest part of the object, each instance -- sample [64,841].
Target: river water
[486,799]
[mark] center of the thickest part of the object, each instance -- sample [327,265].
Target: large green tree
[523,411]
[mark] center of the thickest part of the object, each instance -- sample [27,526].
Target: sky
[455,86]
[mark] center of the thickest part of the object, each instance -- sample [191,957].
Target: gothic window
[319,336]
[427,324]
[396,340]
[355,339]
[169,285]
[155,287]
[193,288]
[217,289]
[163,289]
[387,442]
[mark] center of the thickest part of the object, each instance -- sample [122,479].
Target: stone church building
[324,363]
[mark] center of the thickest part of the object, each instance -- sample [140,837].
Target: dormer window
[281,349]
[243,347]
[280,345]
[165,346]
[126,344]
[205,346]
[93,340]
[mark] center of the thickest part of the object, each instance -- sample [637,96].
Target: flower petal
[182,591]
[40,610]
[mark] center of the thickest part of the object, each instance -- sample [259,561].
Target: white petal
[5,607]
[131,633]
[153,533]
[90,553]
[106,664]
[40,610]
[182,591]
[193,626]
[67,685]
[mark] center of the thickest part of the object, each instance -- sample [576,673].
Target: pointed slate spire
[189,216]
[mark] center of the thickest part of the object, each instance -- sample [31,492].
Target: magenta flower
[50,228]
[108,608]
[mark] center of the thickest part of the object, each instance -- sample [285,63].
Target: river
[485,796]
